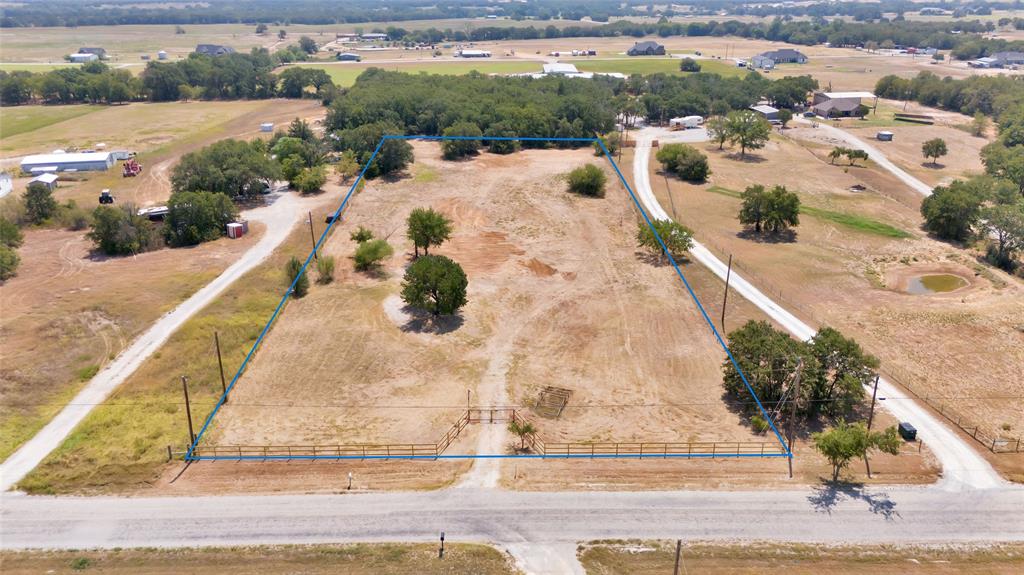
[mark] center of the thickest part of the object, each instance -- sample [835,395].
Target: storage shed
[49,180]
[81,162]
[884,136]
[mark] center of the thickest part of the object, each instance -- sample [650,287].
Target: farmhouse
[101,53]
[83,58]
[349,57]
[374,36]
[81,162]
[214,49]
[768,60]
[768,112]
[1006,59]
[837,104]
[647,48]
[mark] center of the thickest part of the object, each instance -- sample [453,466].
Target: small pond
[935,283]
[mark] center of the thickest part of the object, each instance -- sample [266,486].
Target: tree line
[990,95]
[225,77]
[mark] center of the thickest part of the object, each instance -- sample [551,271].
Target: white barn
[80,162]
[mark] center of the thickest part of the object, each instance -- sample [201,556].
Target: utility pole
[679,552]
[871,417]
[725,296]
[792,411]
[220,363]
[312,236]
[188,411]
[440,552]
[668,190]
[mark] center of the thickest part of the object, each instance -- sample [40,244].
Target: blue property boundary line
[348,196]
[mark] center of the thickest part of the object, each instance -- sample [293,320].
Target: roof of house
[75,157]
[843,105]
[646,45]
[560,68]
[782,53]
[214,49]
[1002,56]
[764,109]
[845,95]
[96,51]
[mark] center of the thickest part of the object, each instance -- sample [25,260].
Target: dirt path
[963,468]
[279,218]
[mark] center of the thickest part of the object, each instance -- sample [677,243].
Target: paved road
[961,464]
[279,218]
[516,519]
[875,154]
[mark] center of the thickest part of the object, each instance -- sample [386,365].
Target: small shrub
[759,424]
[9,261]
[361,235]
[685,161]
[369,254]
[80,563]
[588,180]
[325,270]
[292,269]
[73,217]
[10,234]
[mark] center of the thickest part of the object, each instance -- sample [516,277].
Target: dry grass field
[77,310]
[651,557]
[963,346]
[354,559]
[558,295]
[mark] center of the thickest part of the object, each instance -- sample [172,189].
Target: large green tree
[196,217]
[768,358]
[685,161]
[951,212]
[230,167]
[1004,224]
[426,228]
[769,211]
[119,230]
[455,149]
[846,442]
[394,155]
[39,203]
[748,129]
[845,370]
[1004,162]
[435,284]
[934,148]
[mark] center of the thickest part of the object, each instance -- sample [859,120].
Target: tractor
[131,168]
[106,198]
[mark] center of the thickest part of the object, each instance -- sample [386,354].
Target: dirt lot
[558,296]
[650,557]
[963,346]
[356,559]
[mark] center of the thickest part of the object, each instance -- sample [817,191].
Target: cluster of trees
[432,283]
[832,379]
[35,207]
[984,208]
[852,155]
[10,240]
[225,77]
[846,442]
[990,95]
[430,104]
[770,211]
[744,128]
[684,161]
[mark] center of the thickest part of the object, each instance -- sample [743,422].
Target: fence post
[169,457]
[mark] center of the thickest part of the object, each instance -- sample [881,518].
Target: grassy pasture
[638,65]
[21,119]
[345,73]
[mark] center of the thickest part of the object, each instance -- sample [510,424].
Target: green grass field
[640,65]
[345,73]
[852,221]
[16,120]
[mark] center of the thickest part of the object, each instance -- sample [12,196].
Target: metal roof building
[82,162]
[560,68]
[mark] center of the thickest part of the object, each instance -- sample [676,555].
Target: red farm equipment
[131,168]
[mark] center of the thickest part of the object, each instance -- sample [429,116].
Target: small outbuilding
[474,54]
[80,162]
[161,55]
[49,180]
[349,57]
[559,68]
[267,127]
[884,136]
[767,111]
[646,48]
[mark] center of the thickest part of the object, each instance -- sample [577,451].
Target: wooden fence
[497,415]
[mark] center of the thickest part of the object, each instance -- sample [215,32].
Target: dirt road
[963,468]
[279,218]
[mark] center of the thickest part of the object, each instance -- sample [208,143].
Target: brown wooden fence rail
[498,415]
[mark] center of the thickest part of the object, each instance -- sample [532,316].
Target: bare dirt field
[558,295]
[963,346]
